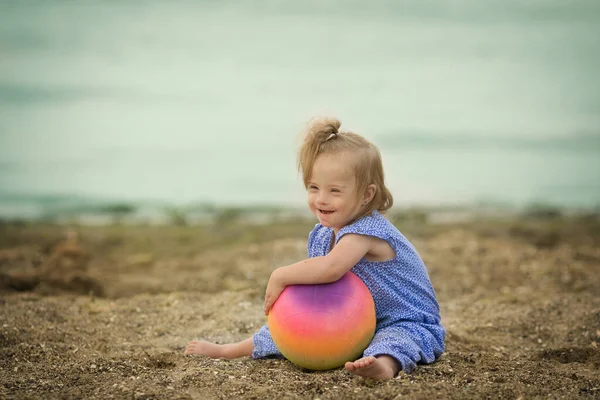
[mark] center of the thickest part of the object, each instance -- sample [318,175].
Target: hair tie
[331,136]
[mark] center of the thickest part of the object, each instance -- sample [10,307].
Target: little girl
[343,174]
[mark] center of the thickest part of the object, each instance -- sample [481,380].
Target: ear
[369,194]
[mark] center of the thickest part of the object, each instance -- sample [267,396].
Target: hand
[274,289]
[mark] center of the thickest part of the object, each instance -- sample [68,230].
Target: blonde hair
[323,136]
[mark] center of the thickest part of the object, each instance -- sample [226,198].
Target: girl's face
[333,191]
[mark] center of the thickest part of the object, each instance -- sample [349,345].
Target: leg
[260,345]
[264,347]
[380,367]
[213,350]
[398,347]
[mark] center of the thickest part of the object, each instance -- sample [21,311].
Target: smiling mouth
[325,212]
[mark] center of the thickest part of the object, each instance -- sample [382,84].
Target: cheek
[349,203]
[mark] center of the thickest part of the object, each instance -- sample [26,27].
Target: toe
[189,349]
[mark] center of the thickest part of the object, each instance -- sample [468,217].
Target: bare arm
[323,269]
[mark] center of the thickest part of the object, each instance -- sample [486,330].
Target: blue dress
[408,315]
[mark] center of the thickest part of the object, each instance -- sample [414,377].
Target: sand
[101,312]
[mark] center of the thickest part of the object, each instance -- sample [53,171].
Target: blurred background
[137,106]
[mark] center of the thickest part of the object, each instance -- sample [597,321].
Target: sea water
[183,102]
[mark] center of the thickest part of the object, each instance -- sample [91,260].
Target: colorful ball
[322,326]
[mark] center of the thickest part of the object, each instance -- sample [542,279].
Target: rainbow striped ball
[322,326]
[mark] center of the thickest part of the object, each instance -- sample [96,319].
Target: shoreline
[203,214]
[87,210]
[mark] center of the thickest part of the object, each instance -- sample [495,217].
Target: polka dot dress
[408,315]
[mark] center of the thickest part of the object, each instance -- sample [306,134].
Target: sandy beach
[101,312]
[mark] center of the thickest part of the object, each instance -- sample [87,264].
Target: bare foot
[382,367]
[201,347]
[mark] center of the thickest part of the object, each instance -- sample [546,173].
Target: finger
[267,306]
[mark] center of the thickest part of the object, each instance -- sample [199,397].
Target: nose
[322,199]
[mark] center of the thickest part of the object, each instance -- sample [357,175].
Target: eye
[335,190]
[312,187]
